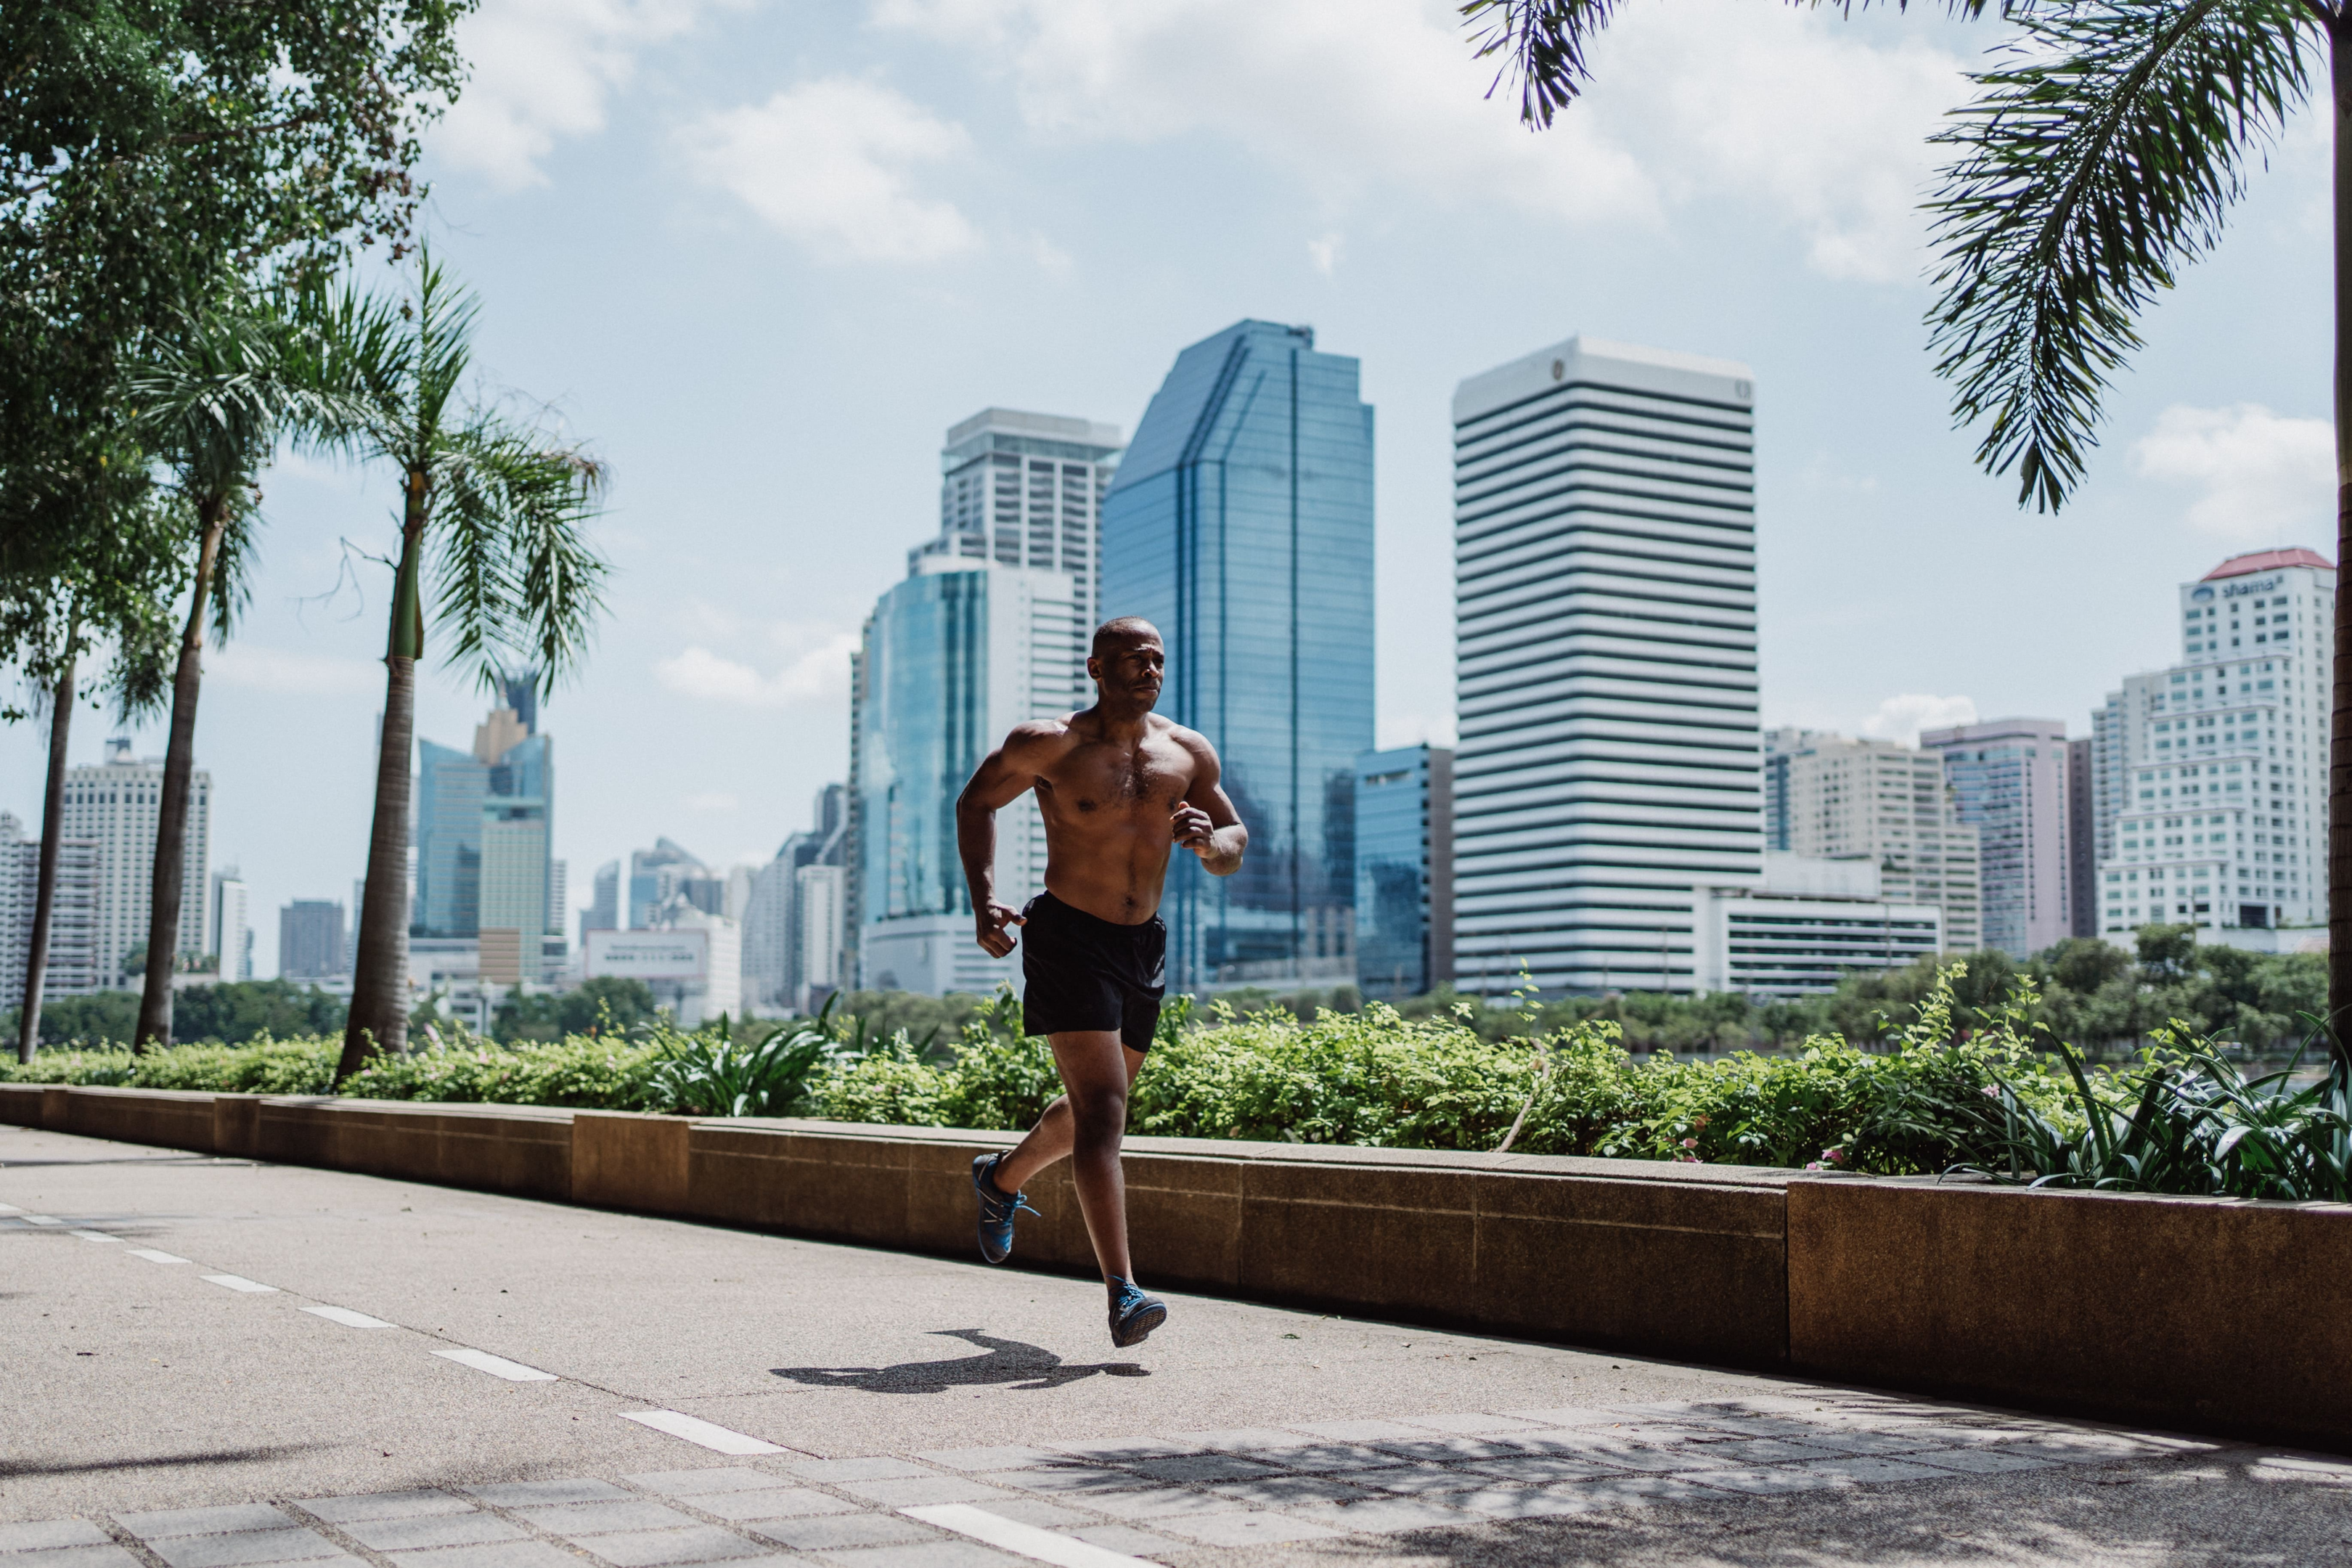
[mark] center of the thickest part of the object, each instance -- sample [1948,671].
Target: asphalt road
[437,1346]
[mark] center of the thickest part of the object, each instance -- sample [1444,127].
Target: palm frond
[1540,45]
[2100,157]
[511,561]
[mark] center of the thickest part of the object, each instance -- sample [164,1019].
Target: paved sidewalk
[211,1364]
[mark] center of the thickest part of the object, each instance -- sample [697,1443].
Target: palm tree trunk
[379,1014]
[171,810]
[44,900]
[2339,762]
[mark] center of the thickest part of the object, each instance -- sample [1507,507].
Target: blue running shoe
[1133,1314]
[996,1208]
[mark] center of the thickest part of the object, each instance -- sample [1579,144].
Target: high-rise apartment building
[311,939]
[2217,767]
[1241,525]
[2008,779]
[73,968]
[666,871]
[950,660]
[232,924]
[114,805]
[1805,924]
[1404,870]
[1605,664]
[2082,836]
[1829,798]
[816,932]
[780,923]
[1027,490]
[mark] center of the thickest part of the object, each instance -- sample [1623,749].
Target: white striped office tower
[1605,663]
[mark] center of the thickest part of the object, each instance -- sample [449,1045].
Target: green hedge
[1370,1077]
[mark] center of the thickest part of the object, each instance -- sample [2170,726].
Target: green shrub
[581,1072]
[263,1065]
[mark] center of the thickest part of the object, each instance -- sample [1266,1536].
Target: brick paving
[1155,1497]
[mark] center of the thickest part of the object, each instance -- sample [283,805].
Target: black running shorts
[1087,972]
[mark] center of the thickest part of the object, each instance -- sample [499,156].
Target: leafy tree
[2102,155]
[494,517]
[148,148]
[236,1010]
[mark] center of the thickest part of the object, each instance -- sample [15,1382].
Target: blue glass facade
[450,788]
[1241,525]
[1400,874]
[921,713]
[454,792]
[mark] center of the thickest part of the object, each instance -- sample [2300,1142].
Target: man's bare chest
[1104,782]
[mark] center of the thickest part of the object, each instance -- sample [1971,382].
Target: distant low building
[1833,797]
[1804,926]
[694,965]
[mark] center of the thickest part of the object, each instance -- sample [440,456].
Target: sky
[759,255]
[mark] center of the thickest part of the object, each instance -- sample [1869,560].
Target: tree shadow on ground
[38,1467]
[1003,1362]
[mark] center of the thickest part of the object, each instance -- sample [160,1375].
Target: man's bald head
[1116,633]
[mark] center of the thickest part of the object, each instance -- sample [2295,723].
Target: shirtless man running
[1119,787]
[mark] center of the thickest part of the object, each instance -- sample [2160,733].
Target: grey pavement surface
[495,1383]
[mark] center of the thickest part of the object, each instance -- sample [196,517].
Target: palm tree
[494,515]
[2102,154]
[212,404]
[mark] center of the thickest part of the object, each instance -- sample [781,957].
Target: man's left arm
[1205,821]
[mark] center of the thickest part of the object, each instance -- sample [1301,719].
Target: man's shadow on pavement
[1009,1363]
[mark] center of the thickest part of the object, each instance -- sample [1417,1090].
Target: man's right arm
[997,782]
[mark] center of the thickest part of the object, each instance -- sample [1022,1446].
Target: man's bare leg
[1086,1123]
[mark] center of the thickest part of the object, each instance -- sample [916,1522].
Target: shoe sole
[1136,1329]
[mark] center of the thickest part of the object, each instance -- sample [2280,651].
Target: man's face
[1131,670]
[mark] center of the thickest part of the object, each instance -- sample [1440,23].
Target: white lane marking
[346,1317]
[497,1366]
[718,1438]
[1026,1539]
[93,1236]
[10,1208]
[42,1219]
[151,1256]
[236,1282]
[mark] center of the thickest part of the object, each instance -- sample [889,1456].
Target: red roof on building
[2267,561]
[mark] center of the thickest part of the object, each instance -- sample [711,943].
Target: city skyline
[1406,216]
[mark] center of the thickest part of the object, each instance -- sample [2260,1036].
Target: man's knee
[1100,1110]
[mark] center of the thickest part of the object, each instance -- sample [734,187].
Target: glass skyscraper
[1241,525]
[951,659]
[482,825]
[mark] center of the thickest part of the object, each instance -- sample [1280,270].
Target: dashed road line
[712,1436]
[1028,1540]
[151,1256]
[346,1317]
[42,1219]
[497,1366]
[236,1282]
[93,1236]
[10,1208]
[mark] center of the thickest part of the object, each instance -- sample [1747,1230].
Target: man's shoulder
[1034,732]
[1192,740]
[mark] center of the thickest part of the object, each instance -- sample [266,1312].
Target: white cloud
[816,666]
[2261,476]
[1710,102]
[1901,718]
[543,69]
[287,673]
[831,164]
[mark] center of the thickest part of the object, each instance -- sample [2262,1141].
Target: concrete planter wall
[2210,1314]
